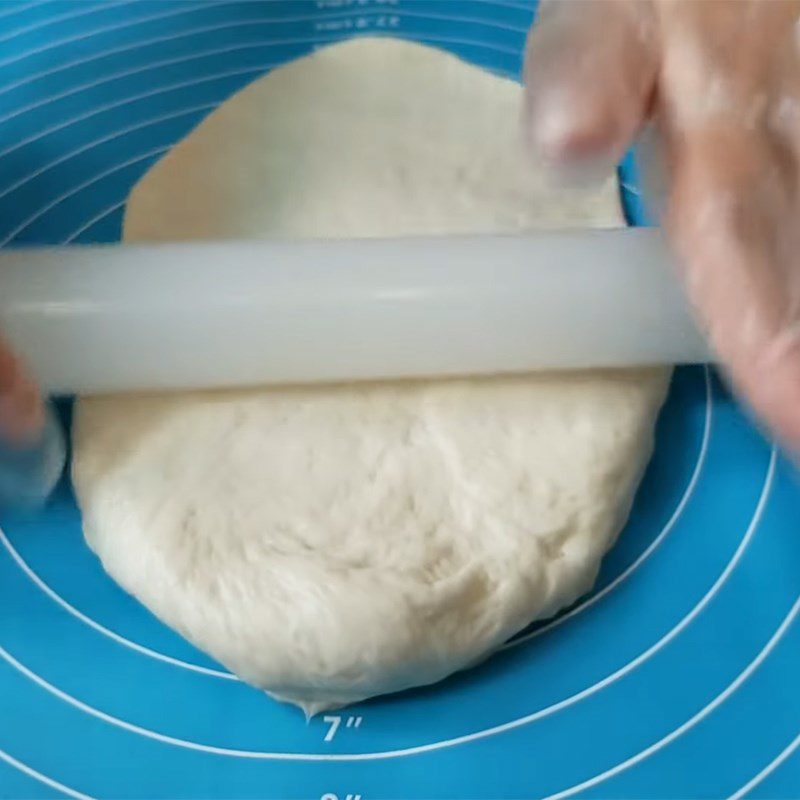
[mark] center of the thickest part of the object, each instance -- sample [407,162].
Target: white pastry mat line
[217,26]
[194,56]
[521,721]
[87,620]
[41,778]
[402,13]
[732,687]
[14,10]
[83,36]
[70,15]
[767,771]
[96,142]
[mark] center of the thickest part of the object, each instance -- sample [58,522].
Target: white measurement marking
[327,5]
[332,796]
[335,721]
[360,23]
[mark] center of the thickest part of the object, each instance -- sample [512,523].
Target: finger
[587,93]
[21,406]
[731,219]
[721,62]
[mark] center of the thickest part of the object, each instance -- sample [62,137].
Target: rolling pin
[92,319]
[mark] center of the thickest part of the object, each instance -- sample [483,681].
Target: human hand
[21,406]
[721,81]
[32,448]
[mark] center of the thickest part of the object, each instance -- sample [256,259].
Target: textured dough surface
[332,544]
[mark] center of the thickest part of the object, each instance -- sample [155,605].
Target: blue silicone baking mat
[677,678]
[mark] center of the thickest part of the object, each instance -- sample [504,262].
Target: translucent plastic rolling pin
[222,314]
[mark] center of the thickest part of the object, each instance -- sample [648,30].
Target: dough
[332,544]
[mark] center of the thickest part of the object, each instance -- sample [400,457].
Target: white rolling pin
[219,314]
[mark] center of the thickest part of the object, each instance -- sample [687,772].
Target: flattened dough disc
[329,545]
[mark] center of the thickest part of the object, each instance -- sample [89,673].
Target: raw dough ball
[333,544]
